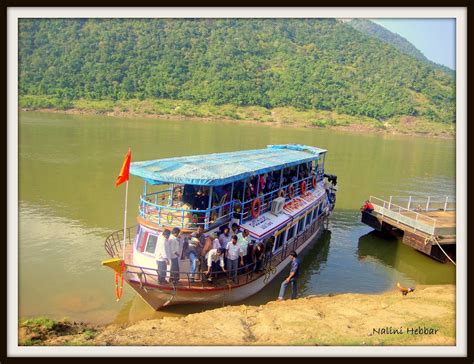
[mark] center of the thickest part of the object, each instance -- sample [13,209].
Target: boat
[280,193]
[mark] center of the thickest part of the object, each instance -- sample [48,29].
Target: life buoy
[313,182]
[303,187]
[119,290]
[291,191]
[255,208]
[281,193]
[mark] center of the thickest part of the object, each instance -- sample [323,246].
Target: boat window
[307,219]
[142,241]
[251,188]
[303,170]
[320,167]
[238,189]
[151,244]
[289,175]
[139,238]
[300,225]
[278,241]
[221,195]
[189,195]
[291,233]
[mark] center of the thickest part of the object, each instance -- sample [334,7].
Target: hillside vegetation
[307,64]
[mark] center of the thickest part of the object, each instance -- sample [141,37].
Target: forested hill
[372,29]
[306,63]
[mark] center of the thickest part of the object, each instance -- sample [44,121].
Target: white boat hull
[159,296]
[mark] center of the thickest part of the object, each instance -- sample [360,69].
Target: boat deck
[149,277]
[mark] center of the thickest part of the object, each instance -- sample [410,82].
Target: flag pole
[125,222]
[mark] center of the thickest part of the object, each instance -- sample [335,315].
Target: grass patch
[40,322]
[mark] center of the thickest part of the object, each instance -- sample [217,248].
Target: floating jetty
[427,225]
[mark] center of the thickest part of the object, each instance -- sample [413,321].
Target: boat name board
[265,223]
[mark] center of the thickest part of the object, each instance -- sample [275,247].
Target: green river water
[68,204]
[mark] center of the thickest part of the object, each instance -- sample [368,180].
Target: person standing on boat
[235,229]
[258,253]
[175,254]
[244,241]
[234,251]
[214,257]
[161,254]
[215,240]
[292,278]
[268,250]
[193,248]
[225,237]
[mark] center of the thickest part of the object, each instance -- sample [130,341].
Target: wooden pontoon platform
[429,227]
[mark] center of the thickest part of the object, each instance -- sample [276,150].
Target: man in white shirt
[243,239]
[175,253]
[213,257]
[161,254]
[234,251]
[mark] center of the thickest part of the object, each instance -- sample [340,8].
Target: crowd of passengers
[197,197]
[226,252]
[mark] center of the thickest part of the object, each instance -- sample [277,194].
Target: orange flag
[124,172]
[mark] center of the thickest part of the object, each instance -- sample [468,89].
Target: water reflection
[393,253]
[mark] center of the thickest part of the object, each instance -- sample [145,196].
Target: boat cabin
[210,190]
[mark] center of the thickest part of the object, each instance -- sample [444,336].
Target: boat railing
[416,219]
[192,279]
[267,198]
[425,203]
[114,242]
[156,208]
[245,274]
[177,216]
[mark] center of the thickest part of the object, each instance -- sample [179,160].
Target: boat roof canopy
[223,168]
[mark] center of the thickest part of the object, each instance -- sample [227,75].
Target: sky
[435,38]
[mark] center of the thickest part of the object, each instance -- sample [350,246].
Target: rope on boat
[173,294]
[447,256]
[268,271]
[229,285]
[140,274]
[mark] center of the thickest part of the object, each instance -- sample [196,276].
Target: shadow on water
[404,259]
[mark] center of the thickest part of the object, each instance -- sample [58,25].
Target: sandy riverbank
[424,317]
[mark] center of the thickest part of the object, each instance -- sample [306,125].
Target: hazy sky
[435,38]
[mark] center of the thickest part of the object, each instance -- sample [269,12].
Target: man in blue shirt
[294,272]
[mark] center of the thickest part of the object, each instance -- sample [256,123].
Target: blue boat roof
[223,168]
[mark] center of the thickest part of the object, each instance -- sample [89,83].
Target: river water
[68,204]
